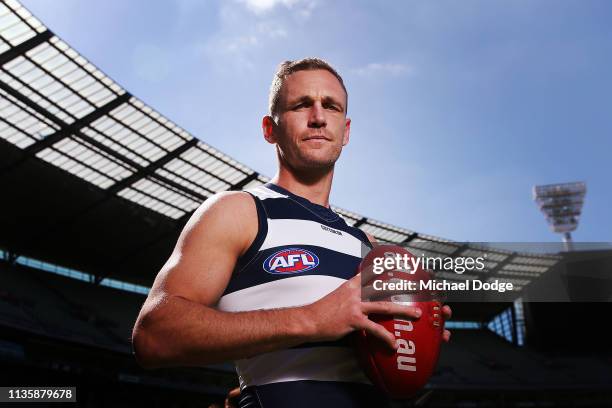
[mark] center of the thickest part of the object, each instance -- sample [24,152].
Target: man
[267,277]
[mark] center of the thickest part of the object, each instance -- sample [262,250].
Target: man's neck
[314,188]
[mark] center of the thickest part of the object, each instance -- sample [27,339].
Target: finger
[379,331]
[446,312]
[446,336]
[390,308]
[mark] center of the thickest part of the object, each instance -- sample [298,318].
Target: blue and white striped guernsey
[302,252]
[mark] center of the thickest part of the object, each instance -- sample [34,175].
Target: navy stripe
[309,394]
[290,208]
[277,208]
[325,213]
[331,263]
[262,231]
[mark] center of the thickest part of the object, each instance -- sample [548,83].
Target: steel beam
[18,50]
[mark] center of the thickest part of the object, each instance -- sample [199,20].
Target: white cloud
[376,68]
[263,6]
[246,27]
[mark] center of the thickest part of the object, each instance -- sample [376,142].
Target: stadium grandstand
[79,153]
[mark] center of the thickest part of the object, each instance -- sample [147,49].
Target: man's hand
[342,311]
[446,310]
[446,314]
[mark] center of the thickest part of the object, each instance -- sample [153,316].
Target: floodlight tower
[561,204]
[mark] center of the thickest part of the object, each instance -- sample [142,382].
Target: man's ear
[347,131]
[268,126]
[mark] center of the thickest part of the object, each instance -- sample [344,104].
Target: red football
[401,373]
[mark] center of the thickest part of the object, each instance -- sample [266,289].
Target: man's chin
[316,162]
[315,165]
[320,159]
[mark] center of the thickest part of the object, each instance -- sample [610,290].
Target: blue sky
[458,107]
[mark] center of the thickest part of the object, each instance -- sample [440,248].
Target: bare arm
[179,326]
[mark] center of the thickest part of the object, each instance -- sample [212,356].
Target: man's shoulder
[232,206]
[229,216]
[230,200]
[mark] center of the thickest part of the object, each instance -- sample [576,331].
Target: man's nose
[317,117]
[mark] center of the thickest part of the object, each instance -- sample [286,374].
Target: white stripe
[263,193]
[288,231]
[288,292]
[316,363]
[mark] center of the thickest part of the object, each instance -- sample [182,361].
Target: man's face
[311,126]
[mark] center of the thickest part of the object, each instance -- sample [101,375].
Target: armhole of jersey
[364,236]
[262,231]
[367,242]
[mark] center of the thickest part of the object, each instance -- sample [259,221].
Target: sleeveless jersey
[302,252]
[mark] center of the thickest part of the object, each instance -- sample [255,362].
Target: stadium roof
[82,159]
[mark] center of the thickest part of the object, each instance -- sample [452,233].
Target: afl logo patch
[290,260]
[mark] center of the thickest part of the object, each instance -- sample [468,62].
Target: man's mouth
[316,137]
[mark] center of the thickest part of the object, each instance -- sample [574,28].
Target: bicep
[206,252]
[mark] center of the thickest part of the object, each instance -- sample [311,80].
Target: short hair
[289,67]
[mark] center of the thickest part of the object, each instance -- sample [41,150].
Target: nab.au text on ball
[405,348]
